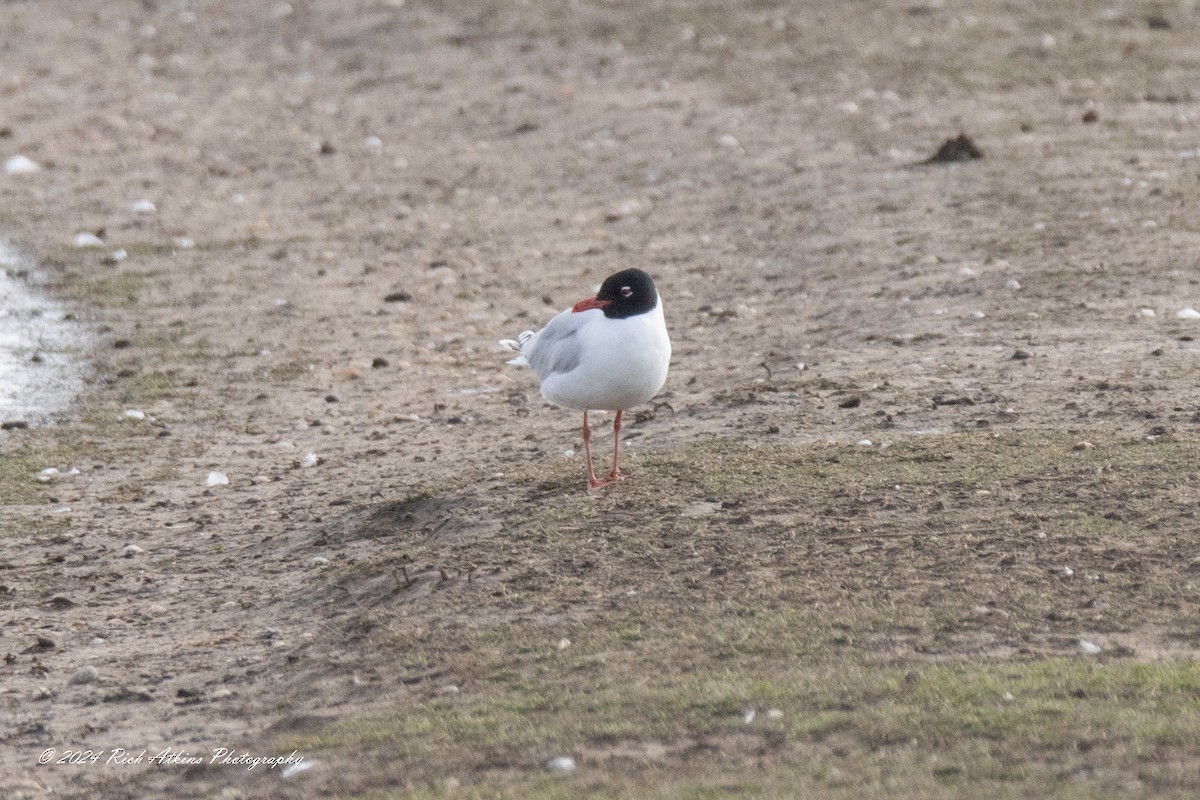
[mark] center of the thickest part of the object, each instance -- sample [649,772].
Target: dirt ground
[915,515]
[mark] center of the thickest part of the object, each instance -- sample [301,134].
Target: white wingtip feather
[517,346]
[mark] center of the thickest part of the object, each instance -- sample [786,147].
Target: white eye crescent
[626,291]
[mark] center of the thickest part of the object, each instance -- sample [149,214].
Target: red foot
[611,478]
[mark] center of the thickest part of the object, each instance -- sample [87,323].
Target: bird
[610,352]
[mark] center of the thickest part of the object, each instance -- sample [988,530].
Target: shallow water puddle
[40,348]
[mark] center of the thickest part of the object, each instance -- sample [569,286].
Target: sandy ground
[354,201]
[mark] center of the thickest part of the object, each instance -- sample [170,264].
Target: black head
[628,293]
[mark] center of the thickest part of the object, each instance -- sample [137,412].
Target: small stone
[216,479]
[959,148]
[131,550]
[87,240]
[864,442]
[1083,446]
[1089,648]
[310,460]
[563,644]
[42,693]
[1188,313]
[1147,312]
[400,296]
[561,764]
[373,143]
[83,676]
[21,165]
[748,716]
[1020,355]
[48,474]
[1013,283]
[774,713]
[379,362]
[728,140]
[133,413]
[143,207]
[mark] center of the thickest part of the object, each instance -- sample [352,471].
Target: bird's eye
[626,291]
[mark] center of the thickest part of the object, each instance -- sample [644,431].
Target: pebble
[373,143]
[216,479]
[1147,312]
[317,561]
[561,764]
[133,413]
[87,240]
[728,140]
[1188,313]
[118,255]
[310,460]
[563,644]
[83,675]
[774,713]
[132,550]
[1013,283]
[143,207]
[748,716]
[1089,648]
[864,442]
[301,766]
[43,693]
[21,165]
[48,474]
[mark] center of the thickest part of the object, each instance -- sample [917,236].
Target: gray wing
[556,348]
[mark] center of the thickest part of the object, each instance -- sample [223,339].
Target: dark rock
[960,148]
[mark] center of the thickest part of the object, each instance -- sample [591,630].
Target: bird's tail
[517,346]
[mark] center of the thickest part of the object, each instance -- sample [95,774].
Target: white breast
[622,363]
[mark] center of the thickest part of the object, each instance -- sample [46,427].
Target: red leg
[587,455]
[615,473]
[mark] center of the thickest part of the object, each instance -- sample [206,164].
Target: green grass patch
[20,465]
